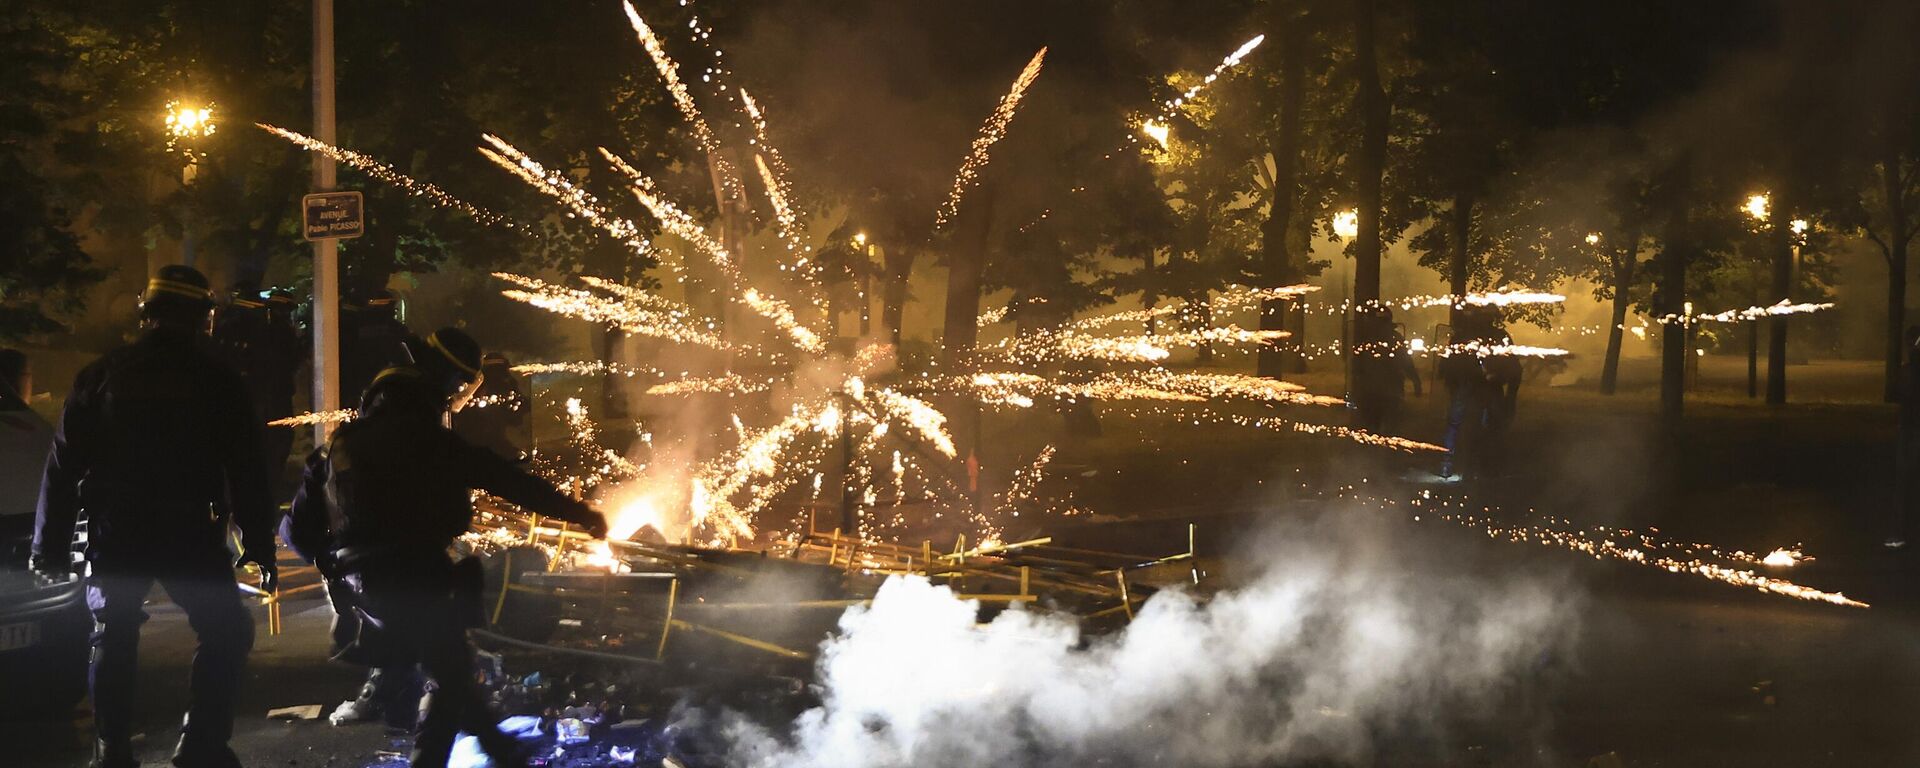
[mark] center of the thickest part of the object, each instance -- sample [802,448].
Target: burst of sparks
[919,414]
[1483,349]
[990,133]
[1785,307]
[386,173]
[585,305]
[1168,107]
[683,99]
[782,317]
[556,185]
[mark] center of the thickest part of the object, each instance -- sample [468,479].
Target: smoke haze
[1346,635]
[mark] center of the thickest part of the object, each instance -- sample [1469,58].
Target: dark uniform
[500,418]
[258,339]
[396,485]
[371,340]
[1381,364]
[152,435]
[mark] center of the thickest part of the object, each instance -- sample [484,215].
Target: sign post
[333,216]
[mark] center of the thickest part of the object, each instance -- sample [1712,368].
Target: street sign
[333,216]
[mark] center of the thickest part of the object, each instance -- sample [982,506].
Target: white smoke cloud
[1343,634]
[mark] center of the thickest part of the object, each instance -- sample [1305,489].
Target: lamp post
[864,282]
[186,125]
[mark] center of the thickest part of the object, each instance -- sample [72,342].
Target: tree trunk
[1896,315]
[1460,234]
[894,299]
[1624,261]
[1149,295]
[1896,252]
[1276,261]
[1672,293]
[965,264]
[1370,163]
[1777,325]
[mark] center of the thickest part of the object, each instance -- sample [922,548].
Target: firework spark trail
[1222,385]
[584,305]
[673,219]
[786,222]
[683,100]
[557,186]
[1754,313]
[1026,482]
[311,418]
[1578,541]
[1360,436]
[919,414]
[1168,107]
[587,368]
[1482,349]
[646,299]
[782,317]
[990,133]
[386,173]
[758,455]
[731,384]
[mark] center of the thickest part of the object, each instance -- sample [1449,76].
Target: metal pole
[848,490]
[866,302]
[186,217]
[326,253]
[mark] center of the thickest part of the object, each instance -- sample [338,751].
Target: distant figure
[1382,363]
[500,418]
[372,340]
[1907,450]
[152,435]
[1473,394]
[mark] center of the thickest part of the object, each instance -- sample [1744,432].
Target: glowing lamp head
[1757,206]
[1799,226]
[860,239]
[1593,238]
[1161,133]
[1346,224]
[189,122]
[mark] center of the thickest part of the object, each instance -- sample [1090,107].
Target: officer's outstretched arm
[66,464]
[246,472]
[308,528]
[494,474]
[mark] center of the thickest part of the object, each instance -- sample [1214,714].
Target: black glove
[53,569]
[269,571]
[595,523]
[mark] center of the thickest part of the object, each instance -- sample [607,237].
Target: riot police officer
[152,435]
[396,483]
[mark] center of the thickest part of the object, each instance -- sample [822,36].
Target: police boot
[113,755]
[200,749]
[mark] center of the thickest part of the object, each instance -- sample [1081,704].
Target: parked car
[43,625]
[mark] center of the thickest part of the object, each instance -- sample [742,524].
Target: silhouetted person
[257,337]
[1907,450]
[372,339]
[1472,393]
[395,483]
[152,434]
[1382,364]
[500,418]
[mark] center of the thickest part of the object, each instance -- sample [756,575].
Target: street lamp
[1593,238]
[1757,206]
[1346,224]
[186,125]
[1161,133]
